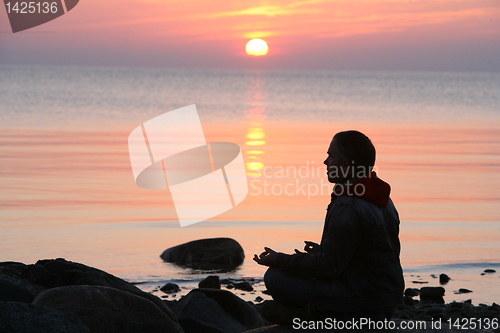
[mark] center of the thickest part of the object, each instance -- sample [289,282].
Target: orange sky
[316,34]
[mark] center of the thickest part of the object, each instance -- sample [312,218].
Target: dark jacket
[357,267]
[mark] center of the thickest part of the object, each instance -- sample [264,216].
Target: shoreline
[71,288]
[481,284]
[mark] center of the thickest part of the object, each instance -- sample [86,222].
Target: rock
[416,327]
[432,295]
[13,284]
[11,291]
[278,313]
[212,310]
[444,279]
[222,254]
[489,271]
[52,273]
[245,286]
[170,288]
[199,313]
[258,299]
[432,292]
[411,292]
[238,308]
[463,291]
[211,281]
[420,282]
[21,317]
[426,311]
[408,300]
[104,309]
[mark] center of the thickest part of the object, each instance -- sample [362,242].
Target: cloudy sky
[448,35]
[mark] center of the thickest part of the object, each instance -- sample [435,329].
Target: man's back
[357,267]
[361,240]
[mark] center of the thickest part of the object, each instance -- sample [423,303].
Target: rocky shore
[57,295]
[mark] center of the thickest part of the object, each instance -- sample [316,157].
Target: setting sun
[257,47]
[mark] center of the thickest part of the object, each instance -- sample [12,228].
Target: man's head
[351,155]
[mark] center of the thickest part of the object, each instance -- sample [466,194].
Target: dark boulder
[235,306]
[11,291]
[199,313]
[212,310]
[14,286]
[222,254]
[104,309]
[52,273]
[23,318]
[211,281]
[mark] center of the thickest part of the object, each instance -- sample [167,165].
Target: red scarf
[369,188]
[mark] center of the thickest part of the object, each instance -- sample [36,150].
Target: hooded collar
[369,188]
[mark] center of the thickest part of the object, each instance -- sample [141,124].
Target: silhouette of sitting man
[355,271]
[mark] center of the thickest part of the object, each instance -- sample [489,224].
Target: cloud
[275,10]
[398,21]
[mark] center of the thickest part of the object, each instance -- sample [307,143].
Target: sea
[67,188]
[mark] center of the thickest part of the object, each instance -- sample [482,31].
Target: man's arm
[342,238]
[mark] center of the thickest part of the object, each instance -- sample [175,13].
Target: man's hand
[266,258]
[310,248]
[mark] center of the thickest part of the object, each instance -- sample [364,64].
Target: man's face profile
[333,164]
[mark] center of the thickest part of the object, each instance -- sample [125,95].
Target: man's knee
[271,277]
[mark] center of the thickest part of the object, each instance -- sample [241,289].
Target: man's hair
[356,148]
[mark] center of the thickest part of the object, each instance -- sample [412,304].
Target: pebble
[170,288]
[408,300]
[410,292]
[431,292]
[245,286]
[463,291]
[443,278]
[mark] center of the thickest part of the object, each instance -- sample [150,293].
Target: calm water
[67,187]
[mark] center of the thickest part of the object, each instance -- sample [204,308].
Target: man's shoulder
[360,205]
[346,200]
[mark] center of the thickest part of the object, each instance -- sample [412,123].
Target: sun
[256,47]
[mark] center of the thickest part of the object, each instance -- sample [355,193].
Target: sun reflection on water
[256,133]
